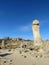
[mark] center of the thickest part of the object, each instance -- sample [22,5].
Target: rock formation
[36,33]
[3,44]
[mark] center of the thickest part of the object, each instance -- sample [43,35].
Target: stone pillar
[36,34]
[3,44]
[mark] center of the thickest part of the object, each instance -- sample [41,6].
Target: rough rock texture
[36,32]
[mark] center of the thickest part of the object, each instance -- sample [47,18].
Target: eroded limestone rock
[37,36]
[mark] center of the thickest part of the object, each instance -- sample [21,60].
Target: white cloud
[25,28]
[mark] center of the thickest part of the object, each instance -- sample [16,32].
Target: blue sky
[16,18]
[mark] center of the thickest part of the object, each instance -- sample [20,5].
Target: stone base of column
[38,46]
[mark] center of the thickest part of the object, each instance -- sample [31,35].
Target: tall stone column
[36,34]
[3,44]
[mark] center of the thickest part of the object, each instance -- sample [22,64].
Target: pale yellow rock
[35,22]
[36,34]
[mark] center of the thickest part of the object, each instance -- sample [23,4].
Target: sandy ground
[19,57]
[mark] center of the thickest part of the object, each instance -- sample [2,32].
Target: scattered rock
[4,61]
[25,56]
